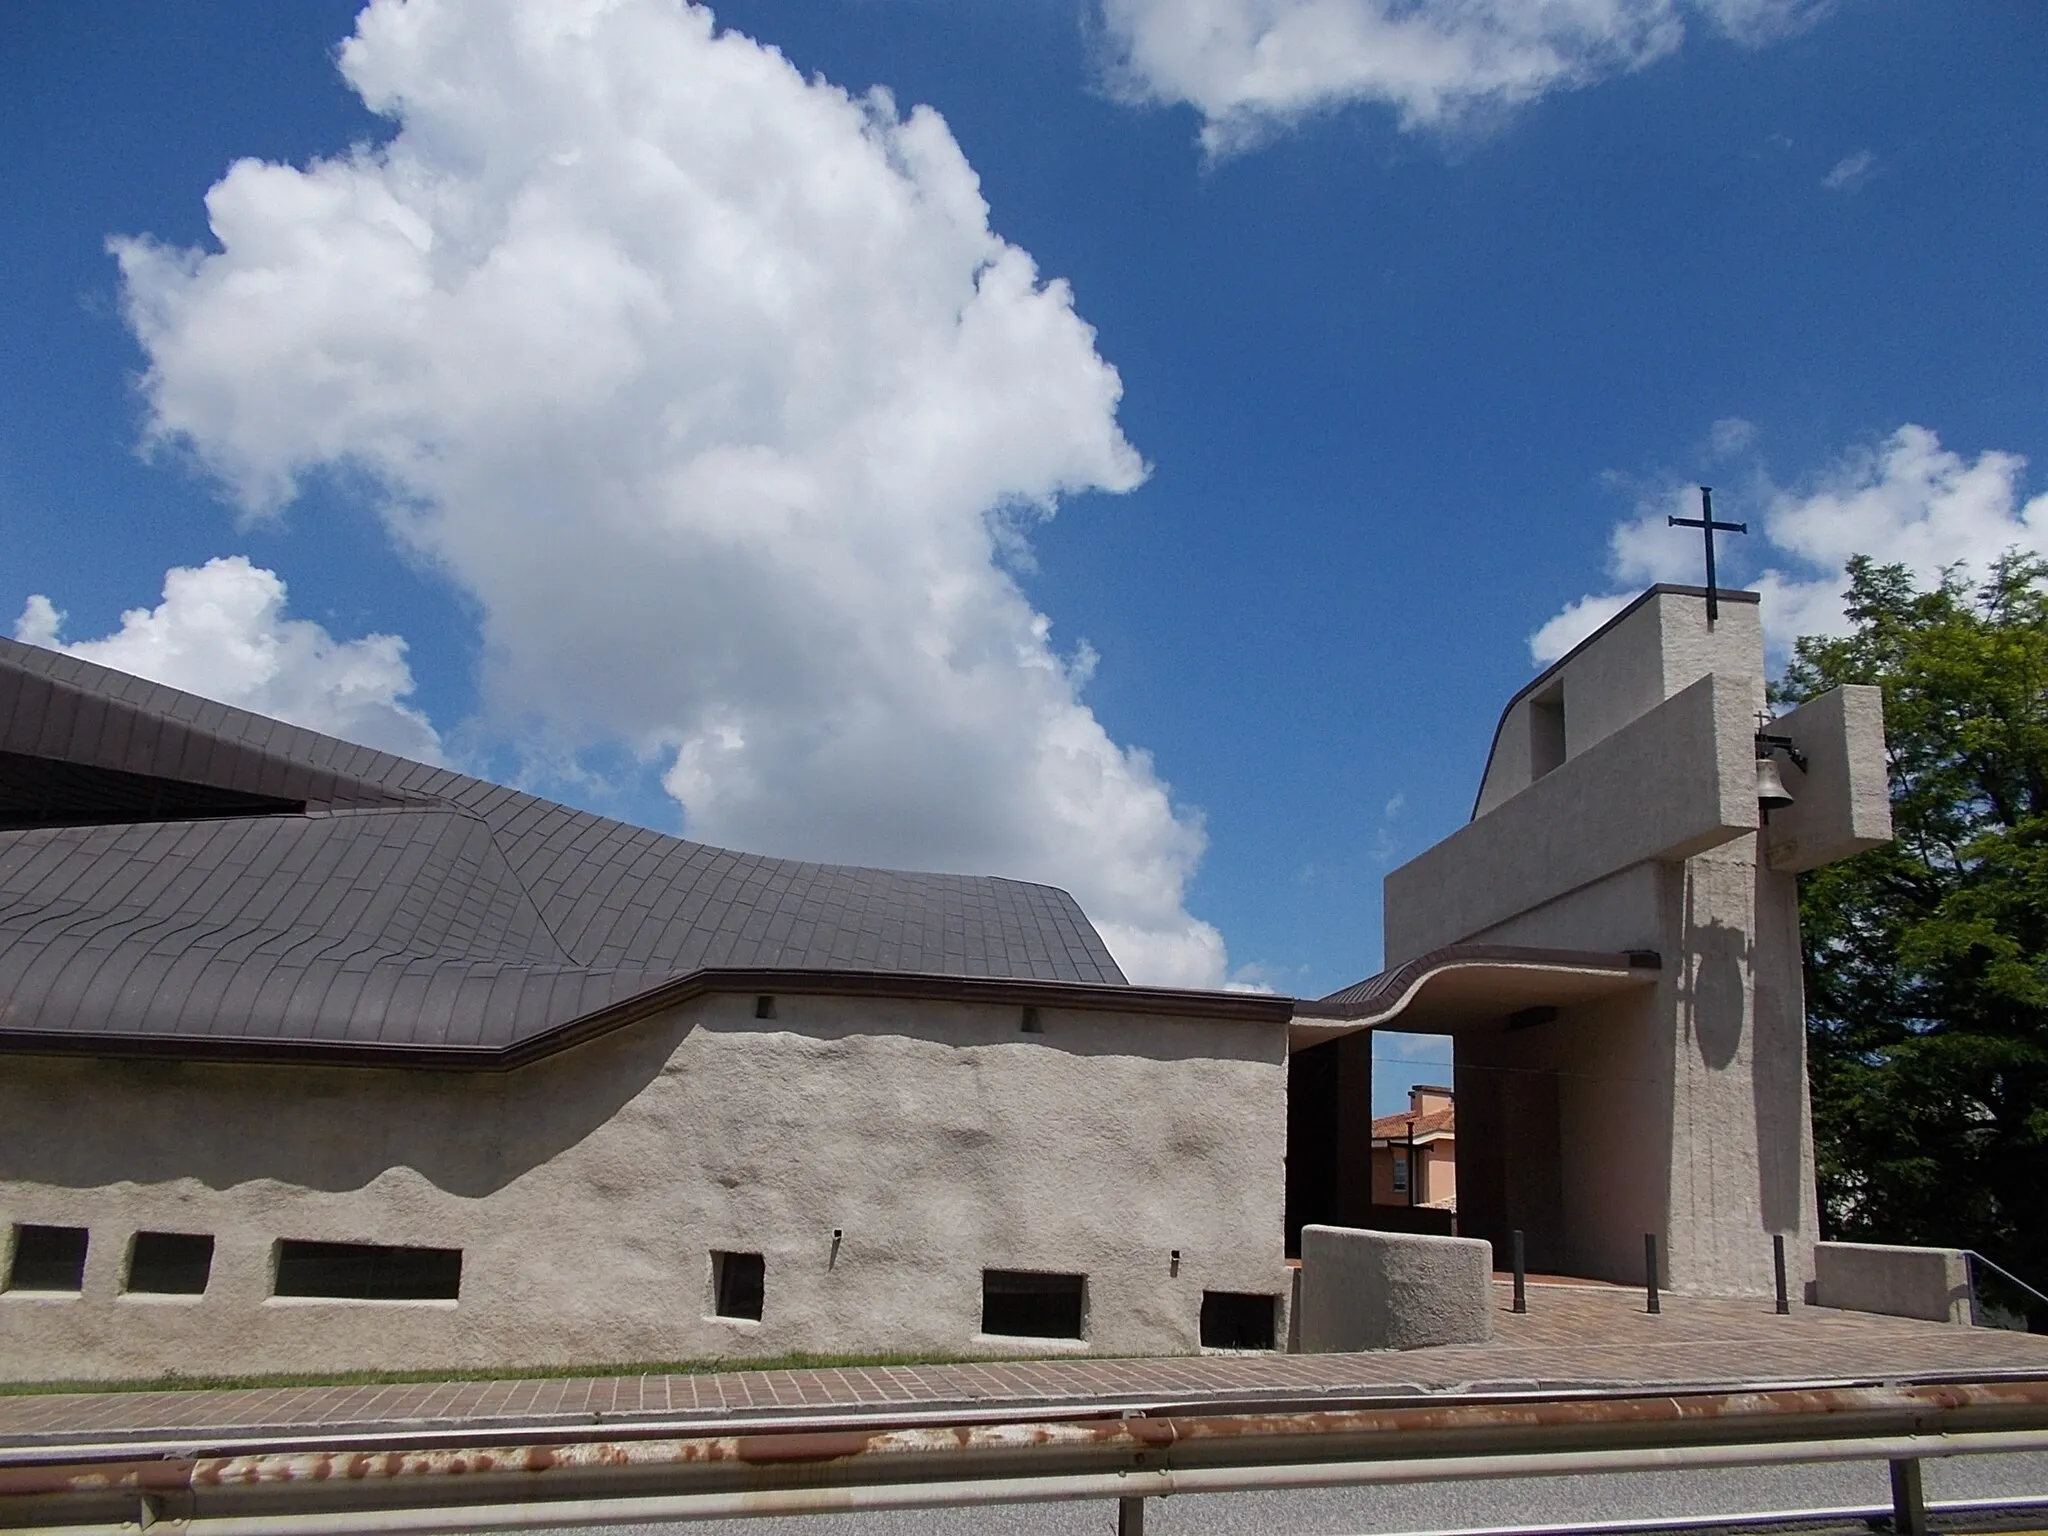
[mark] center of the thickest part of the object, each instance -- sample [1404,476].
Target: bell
[1771,793]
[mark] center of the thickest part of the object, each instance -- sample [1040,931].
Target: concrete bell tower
[1618,816]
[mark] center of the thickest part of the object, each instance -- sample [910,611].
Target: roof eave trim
[1229,1007]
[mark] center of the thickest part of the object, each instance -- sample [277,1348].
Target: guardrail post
[1778,1265]
[1650,1270]
[1521,1275]
[1909,1503]
[1130,1514]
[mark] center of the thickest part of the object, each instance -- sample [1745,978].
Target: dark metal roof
[411,909]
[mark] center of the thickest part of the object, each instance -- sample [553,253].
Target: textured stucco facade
[587,1191]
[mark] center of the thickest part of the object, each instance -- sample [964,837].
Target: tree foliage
[1927,959]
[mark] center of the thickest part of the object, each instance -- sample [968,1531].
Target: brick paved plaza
[1572,1336]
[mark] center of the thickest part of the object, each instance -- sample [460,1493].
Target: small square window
[764,1007]
[1238,1320]
[1028,1305]
[170,1263]
[739,1284]
[48,1259]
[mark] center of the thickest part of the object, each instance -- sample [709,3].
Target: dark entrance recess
[43,792]
[1238,1320]
[170,1263]
[1329,1136]
[1031,1305]
[48,1259]
[739,1283]
[368,1272]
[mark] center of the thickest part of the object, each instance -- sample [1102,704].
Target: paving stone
[1572,1336]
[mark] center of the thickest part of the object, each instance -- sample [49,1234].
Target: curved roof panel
[294,887]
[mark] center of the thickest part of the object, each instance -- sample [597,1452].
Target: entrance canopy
[1465,986]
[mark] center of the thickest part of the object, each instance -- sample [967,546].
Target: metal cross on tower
[1708,527]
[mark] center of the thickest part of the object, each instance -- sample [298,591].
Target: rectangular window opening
[170,1263]
[1546,733]
[739,1284]
[1238,1320]
[367,1272]
[1033,1025]
[764,1007]
[1400,1170]
[47,1259]
[1028,1305]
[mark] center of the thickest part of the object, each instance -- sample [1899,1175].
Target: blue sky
[1412,360]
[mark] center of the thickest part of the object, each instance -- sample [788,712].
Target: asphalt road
[1524,1502]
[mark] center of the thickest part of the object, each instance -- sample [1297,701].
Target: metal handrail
[1977,1258]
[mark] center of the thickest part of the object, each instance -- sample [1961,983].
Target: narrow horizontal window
[47,1259]
[368,1272]
[170,1263]
[739,1284]
[1032,1305]
[1238,1320]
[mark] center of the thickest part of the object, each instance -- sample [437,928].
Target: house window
[367,1272]
[1401,1172]
[1238,1320]
[47,1259]
[169,1263]
[739,1284]
[1033,1306]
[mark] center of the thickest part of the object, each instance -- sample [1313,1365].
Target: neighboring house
[1415,1152]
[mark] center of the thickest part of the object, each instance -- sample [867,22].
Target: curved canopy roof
[1466,986]
[177,875]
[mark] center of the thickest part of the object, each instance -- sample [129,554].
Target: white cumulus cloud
[1905,501]
[220,632]
[715,389]
[1251,66]
[1851,172]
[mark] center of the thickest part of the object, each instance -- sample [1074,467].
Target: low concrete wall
[1392,1290]
[1931,1283]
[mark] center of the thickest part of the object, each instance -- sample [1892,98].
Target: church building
[313,1058]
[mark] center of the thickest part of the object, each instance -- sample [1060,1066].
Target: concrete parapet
[1930,1283]
[1392,1290]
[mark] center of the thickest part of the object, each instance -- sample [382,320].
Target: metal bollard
[1521,1275]
[1650,1270]
[1778,1265]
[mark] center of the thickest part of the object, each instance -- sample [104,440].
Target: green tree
[1927,959]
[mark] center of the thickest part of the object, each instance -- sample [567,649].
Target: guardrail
[566,1482]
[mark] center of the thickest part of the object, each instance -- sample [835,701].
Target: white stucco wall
[1657,649]
[1679,779]
[587,1191]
